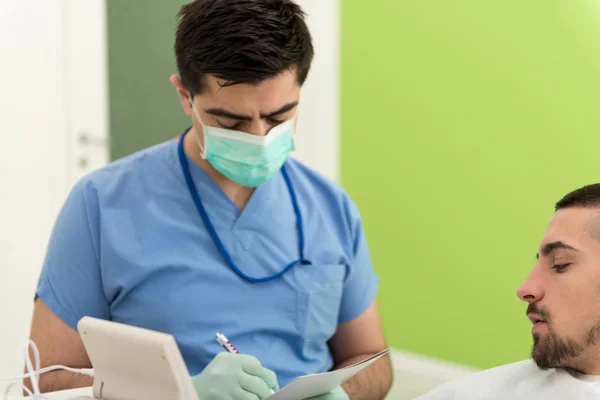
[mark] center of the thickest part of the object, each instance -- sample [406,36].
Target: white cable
[30,371]
[83,371]
[33,374]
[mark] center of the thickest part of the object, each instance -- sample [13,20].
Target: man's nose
[531,291]
[259,127]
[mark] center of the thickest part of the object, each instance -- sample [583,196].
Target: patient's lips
[536,320]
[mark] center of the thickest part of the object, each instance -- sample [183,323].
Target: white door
[53,80]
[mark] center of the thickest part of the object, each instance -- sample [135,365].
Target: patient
[563,296]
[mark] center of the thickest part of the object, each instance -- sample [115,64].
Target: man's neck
[238,194]
[588,364]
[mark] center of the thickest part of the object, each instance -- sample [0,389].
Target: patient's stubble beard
[550,351]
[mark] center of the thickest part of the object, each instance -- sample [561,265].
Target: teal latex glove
[336,394]
[235,377]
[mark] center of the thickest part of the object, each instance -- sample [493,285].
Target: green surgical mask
[247,159]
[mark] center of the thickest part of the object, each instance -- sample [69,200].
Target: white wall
[33,166]
[44,106]
[317,142]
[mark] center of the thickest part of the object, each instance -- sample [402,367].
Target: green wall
[462,123]
[144,108]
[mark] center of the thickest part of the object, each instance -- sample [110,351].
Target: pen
[226,344]
[229,347]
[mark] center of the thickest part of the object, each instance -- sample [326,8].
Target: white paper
[313,385]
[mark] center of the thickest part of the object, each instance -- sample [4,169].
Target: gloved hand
[336,394]
[234,377]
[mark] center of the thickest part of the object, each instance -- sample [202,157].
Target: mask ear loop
[202,149]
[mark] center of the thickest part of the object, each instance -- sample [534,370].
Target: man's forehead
[286,81]
[264,97]
[573,225]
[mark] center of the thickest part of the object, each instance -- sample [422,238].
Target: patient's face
[563,291]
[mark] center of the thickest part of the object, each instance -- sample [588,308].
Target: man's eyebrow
[550,247]
[221,112]
[282,110]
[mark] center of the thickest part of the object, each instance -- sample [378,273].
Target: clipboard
[312,385]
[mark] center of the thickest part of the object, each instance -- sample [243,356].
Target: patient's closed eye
[560,267]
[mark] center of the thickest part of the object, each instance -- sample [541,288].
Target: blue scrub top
[129,246]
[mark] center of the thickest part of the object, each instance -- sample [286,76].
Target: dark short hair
[587,196]
[241,41]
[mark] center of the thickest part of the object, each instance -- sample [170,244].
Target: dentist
[219,229]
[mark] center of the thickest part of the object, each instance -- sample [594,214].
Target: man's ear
[183,93]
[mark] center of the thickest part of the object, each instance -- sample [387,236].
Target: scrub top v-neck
[301,260]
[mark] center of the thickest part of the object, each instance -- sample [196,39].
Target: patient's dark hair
[587,196]
[241,41]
